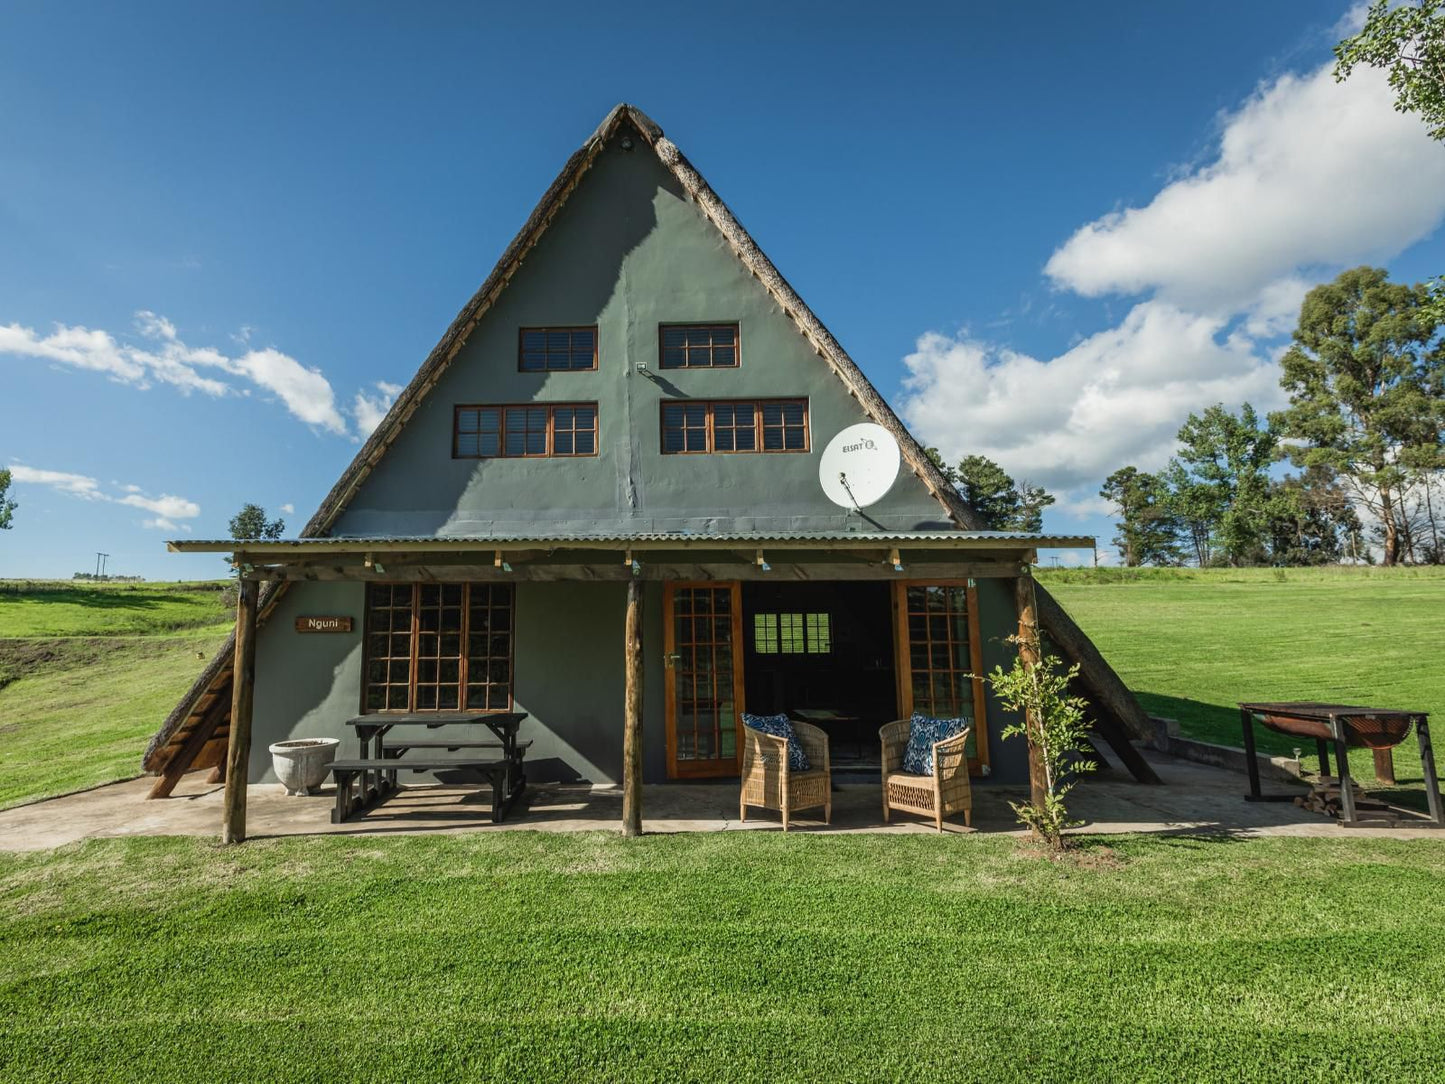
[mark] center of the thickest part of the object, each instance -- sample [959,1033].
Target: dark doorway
[823,652]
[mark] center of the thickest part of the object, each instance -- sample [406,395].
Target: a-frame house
[626,419]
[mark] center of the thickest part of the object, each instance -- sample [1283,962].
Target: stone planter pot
[301,765]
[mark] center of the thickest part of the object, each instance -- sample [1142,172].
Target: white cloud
[1310,173]
[1116,397]
[76,485]
[369,410]
[1309,176]
[288,508]
[162,357]
[167,508]
[306,393]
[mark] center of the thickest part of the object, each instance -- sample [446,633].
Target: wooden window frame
[711,447]
[737,331]
[551,408]
[463,659]
[522,338]
[903,662]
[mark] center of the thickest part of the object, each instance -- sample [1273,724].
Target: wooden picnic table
[376,768]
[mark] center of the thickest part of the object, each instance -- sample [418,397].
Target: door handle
[671,659]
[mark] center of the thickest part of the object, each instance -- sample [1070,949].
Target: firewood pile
[1325,797]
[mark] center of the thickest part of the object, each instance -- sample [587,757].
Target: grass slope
[731,956]
[1193,643]
[87,674]
[85,715]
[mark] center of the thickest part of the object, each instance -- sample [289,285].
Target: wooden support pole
[1385,766]
[238,750]
[632,718]
[1029,653]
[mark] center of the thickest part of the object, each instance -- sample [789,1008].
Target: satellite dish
[859,466]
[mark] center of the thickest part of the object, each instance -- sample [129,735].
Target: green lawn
[87,674]
[49,609]
[725,956]
[1192,644]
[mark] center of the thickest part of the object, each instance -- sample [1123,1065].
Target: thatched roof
[215,680]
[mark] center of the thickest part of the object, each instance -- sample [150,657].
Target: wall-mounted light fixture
[499,562]
[763,563]
[895,559]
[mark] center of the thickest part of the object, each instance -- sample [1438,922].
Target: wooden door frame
[903,662]
[676,770]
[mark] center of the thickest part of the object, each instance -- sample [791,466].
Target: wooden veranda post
[1030,652]
[632,716]
[243,680]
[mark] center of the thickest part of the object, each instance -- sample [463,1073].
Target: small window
[525,431]
[557,349]
[735,425]
[684,427]
[785,426]
[792,634]
[698,346]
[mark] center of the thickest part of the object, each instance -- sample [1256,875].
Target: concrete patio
[1195,798]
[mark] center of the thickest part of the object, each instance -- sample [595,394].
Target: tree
[1408,41]
[1000,502]
[249,524]
[1366,390]
[1311,520]
[7,506]
[1148,530]
[1053,722]
[1220,482]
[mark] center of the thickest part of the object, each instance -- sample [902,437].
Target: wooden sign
[323,624]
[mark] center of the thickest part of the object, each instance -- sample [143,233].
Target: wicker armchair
[946,792]
[769,783]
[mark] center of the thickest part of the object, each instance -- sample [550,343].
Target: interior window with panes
[525,431]
[438,647]
[557,349]
[698,346]
[684,427]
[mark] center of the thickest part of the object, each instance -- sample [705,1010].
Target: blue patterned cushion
[780,726]
[924,732]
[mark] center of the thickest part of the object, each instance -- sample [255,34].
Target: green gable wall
[628,251]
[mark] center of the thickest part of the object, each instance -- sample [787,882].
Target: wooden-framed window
[939,652]
[735,425]
[438,647]
[525,431]
[556,349]
[698,346]
[792,633]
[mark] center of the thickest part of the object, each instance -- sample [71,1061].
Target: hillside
[87,673]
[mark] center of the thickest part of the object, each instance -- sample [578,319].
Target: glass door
[703,646]
[940,658]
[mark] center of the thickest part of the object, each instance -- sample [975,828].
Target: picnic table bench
[369,779]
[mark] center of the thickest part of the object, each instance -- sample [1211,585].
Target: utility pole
[100,559]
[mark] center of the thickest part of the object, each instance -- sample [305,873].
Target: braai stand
[1337,720]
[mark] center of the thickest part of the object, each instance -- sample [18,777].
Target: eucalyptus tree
[1366,384]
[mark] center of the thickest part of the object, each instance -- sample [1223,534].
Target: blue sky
[1047,232]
